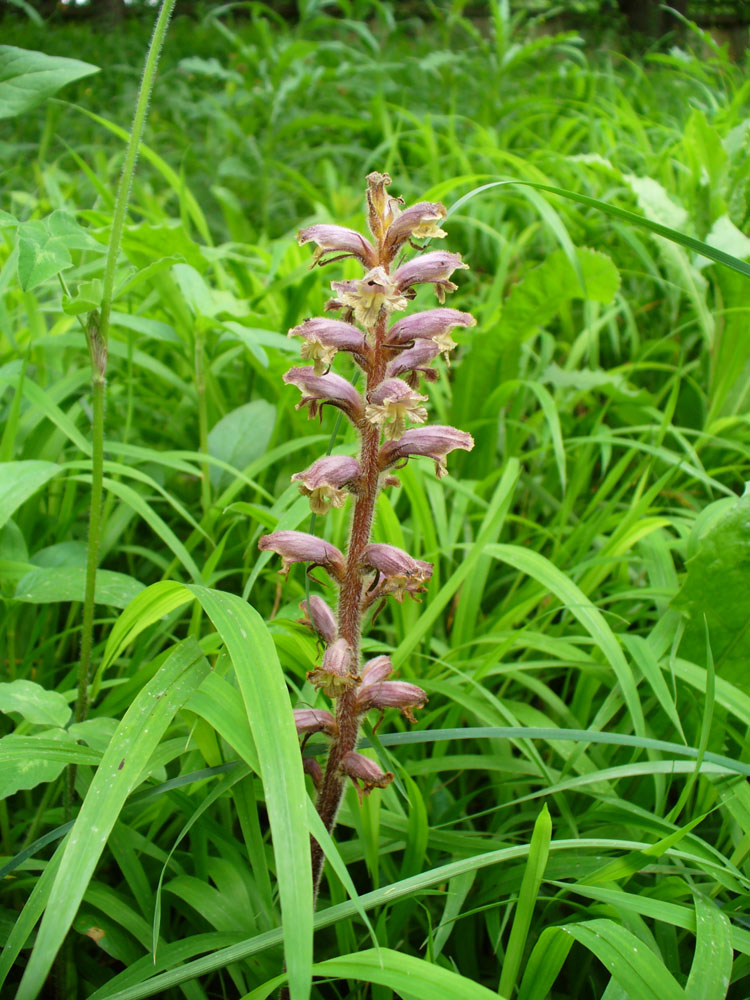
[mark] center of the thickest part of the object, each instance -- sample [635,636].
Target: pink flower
[415,359]
[328,481]
[334,675]
[367,296]
[391,404]
[320,618]
[391,694]
[418,222]
[297,546]
[324,338]
[399,573]
[317,390]
[361,769]
[338,242]
[312,767]
[376,670]
[433,268]
[435,325]
[433,442]
[314,720]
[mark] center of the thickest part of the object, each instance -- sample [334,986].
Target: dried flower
[433,442]
[382,207]
[328,482]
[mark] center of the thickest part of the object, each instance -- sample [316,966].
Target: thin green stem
[97,333]
[131,155]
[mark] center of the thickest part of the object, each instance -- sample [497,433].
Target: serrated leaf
[27,77]
[34,703]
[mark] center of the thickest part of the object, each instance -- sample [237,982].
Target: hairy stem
[350,612]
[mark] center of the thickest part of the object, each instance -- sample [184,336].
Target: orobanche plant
[393,357]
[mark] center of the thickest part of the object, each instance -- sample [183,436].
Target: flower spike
[393,355]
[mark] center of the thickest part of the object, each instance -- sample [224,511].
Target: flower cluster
[390,417]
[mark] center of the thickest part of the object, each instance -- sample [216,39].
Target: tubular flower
[334,675]
[391,694]
[376,670]
[324,338]
[314,720]
[399,573]
[435,325]
[297,546]
[312,767]
[415,359]
[432,268]
[368,295]
[317,390]
[337,242]
[433,442]
[418,222]
[361,769]
[328,482]
[391,404]
[320,618]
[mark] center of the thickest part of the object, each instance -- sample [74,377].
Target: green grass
[570,814]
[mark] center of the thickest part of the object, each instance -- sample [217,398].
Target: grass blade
[532,879]
[135,739]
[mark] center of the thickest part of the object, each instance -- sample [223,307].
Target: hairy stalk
[393,359]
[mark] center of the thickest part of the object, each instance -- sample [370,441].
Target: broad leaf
[18,480]
[34,703]
[27,78]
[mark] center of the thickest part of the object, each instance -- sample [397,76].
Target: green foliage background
[571,813]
